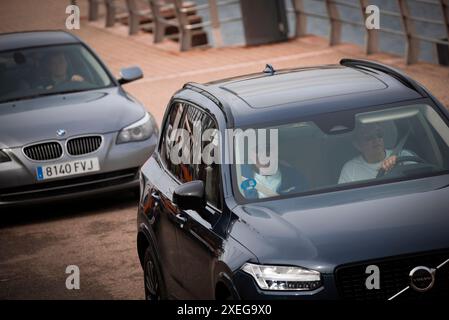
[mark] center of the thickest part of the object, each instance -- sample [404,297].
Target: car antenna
[269,69]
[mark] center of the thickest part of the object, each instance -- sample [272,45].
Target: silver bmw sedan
[67,127]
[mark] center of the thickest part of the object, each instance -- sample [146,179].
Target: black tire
[153,280]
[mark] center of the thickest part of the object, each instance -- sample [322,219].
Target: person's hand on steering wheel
[77,78]
[389,163]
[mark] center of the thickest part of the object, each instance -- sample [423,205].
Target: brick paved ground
[99,234]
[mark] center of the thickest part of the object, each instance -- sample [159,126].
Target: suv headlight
[283,278]
[138,131]
[4,157]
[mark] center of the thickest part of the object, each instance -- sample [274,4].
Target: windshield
[341,150]
[27,73]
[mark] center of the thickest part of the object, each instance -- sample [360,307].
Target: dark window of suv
[172,123]
[193,121]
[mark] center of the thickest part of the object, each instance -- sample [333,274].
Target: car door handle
[181,218]
[155,196]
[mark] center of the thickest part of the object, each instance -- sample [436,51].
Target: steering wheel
[401,160]
[62,85]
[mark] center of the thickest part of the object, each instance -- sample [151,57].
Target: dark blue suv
[347,199]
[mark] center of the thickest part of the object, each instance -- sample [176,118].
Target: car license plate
[67,168]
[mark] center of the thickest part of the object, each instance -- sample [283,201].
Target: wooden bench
[93,9]
[168,22]
[139,15]
[173,19]
[115,11]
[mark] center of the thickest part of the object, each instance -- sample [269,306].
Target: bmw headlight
[4,157]
[138,131]
[283,278]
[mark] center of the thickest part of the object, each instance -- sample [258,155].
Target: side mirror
[190,196]
[130,74]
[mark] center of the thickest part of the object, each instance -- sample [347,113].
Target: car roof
[20,40]
[284,94]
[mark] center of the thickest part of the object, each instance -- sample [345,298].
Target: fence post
[301,18]
[93,10]
[334,19]
[372,35]
[215,22]
[412,46]
[158,21]
[110,13]
[185,34]
[445,8]
[133,17]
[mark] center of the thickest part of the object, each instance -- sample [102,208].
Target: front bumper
[348,281]
[119,165]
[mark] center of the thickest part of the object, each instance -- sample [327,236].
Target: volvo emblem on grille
[60,132]
[422,278]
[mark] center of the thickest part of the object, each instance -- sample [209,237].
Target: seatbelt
[398,149]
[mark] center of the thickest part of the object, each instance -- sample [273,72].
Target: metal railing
[215,21]
[372,35]
[188,29]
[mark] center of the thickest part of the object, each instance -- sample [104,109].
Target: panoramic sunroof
[303,85]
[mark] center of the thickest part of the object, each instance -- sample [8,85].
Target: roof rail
[201,89]
[400,76]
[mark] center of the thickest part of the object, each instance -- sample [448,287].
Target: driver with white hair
[369,141]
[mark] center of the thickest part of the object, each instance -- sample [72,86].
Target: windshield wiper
[28,97]
[72,91]
[38,95]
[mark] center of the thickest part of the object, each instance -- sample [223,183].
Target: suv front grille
[43,151]
[83,145]
[394,277]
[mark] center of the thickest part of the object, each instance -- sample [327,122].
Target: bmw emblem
[422,279]
[60,132]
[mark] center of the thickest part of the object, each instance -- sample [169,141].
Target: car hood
[323,231]
[99,111]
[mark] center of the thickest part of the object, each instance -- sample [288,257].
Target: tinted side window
[196,122]
[191,125]
[193,122]
[210,173]
[173,122]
